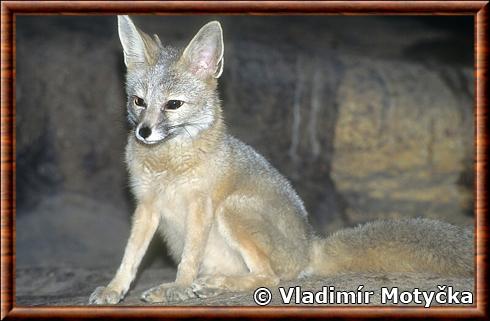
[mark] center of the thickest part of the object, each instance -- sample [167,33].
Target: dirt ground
[72,287]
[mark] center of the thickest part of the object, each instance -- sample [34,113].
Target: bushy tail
[409,245]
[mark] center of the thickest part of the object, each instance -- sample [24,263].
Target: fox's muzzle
[148,135]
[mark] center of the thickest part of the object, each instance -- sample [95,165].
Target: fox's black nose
[144,131]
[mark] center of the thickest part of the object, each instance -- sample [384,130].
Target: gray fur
[407,245]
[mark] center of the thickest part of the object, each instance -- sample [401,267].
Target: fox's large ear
[138,46]
[204,54]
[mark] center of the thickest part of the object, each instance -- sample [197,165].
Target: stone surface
[87,233]
[401,150]
[60,287]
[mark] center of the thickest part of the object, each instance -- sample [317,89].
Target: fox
[230,220]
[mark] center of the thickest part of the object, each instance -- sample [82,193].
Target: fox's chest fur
[169,185]
[169,197]
[167,188]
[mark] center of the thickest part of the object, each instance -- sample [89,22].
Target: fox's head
[171,93]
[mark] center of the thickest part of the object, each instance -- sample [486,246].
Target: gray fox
[231,221]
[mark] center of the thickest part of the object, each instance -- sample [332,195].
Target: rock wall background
[369,117]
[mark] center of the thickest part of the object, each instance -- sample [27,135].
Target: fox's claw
[207,287]
[167,292]
[104,295]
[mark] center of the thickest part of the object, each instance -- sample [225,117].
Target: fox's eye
[173,104]
[140,102]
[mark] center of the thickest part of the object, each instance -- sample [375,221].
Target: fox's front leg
[145,222]
[198,223]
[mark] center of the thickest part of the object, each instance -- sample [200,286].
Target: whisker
[187,132]
[185,124]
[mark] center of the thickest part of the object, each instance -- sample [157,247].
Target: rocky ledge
[72,286]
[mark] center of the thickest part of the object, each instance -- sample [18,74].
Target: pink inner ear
[203,65]
[204,60]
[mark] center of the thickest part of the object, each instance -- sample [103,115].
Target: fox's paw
[167,292]
[207,287]
[104,295]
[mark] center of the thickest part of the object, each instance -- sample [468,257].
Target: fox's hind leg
[249,236]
